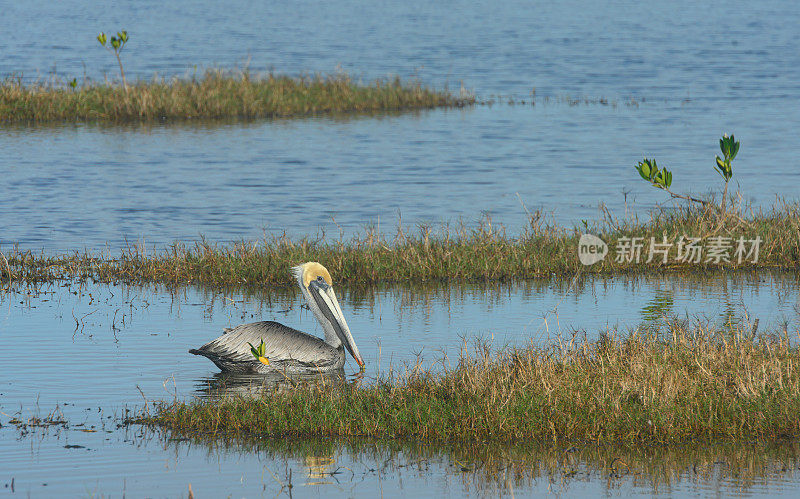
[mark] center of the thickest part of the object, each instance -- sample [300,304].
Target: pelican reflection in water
[237,386]
[285,349]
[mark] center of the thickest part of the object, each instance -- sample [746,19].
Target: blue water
[694,72]
[93,351]
[671,50]
[58,337]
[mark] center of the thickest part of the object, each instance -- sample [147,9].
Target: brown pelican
[282,348]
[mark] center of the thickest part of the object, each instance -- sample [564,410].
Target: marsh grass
[214,95]
[451,253]
[677,384]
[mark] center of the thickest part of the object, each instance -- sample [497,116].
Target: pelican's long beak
[326,301]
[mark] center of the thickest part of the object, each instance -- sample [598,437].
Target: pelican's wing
[281,343]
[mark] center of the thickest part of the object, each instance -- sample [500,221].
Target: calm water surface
[93,351]
[694,72]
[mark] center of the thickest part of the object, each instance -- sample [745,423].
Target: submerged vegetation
[214,95]
[674,385]
[460,253]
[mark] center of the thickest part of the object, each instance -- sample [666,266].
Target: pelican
[283,348]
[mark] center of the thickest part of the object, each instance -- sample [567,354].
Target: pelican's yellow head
[317,287]
[312,271]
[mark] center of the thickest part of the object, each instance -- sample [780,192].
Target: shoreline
[756,241]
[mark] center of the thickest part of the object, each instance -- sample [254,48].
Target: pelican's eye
[320,282]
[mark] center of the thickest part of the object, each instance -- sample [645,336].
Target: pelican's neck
[331,338]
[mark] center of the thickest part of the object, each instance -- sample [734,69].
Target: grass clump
[214,95]
[675,385]
[485,252]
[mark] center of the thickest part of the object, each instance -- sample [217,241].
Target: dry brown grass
[214,95]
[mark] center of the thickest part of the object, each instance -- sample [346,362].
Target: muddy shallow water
[91,351]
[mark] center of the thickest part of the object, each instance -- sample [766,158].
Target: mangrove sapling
[258,352]
[117,43]
[729,147]
[662,178]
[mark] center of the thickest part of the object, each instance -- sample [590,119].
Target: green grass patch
[215,95]
[484,252]
[657,387]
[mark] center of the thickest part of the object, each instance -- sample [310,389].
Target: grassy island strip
[447,254]
[214,95]
[677,385]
